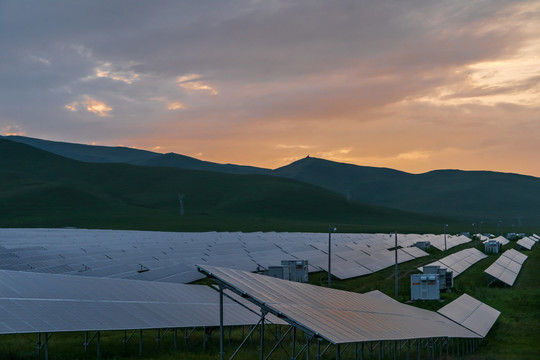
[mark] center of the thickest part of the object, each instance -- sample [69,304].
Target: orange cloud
[176,105]
[105,71]
[72,106]
[284,146]
[97,107]
[190,82]
[12,131]
[414,155]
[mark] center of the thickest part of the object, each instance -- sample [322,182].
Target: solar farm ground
[514,335]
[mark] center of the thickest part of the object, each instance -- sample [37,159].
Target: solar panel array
[501,239]
[171,257]
[471,313]
[34,302]
[338,316]
[527,242]
[507,267]
[460,261]
[438,240]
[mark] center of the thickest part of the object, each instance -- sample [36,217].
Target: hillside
[120,154]
[493,198]
[472,196]
[43,189]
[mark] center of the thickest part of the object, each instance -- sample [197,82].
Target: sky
[414,85]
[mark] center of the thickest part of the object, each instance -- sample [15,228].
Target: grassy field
[514,335]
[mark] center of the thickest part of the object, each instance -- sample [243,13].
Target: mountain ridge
[42,189]
[472,196]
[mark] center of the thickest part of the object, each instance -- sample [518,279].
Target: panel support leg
[293,344]
[262,335]
[221,335]
[98,345]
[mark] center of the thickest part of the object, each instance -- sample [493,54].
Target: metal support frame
[221,335]
[293,344]
[308,339]
[88,342]
[127,338]
[245,339]
[44,345]
[326,348]
[263,307]
[188,334]
[280,340]
[160,336]
[263,315]
[301,350]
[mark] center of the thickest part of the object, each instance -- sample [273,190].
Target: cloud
[191,82]
[12,130]
[40,60]
[175,105]
[97,107]
[414,155]
[304,147]
[105,70]
[170,104]
[394,82]
[334,154]
[72,106]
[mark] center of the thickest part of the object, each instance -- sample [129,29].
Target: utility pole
[445,226]
[330,229]
[396,266]
[181,198]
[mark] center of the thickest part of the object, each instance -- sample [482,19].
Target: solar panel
[335,315]
[507,267]
[501,239]
[460,261]
[31,302]
[415,252]
[122,254]
[515,256]
[527,243]
[471,313]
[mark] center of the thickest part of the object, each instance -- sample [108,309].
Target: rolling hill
[472,196]
[120,154]
[42,189]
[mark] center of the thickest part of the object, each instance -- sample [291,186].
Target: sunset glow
[408,85]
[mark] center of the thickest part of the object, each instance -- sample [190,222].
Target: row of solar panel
[170,257]
[343,317]
[507,267]
[460,261]
[527,242]
[33,302]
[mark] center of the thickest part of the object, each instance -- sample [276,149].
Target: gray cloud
[284,64]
